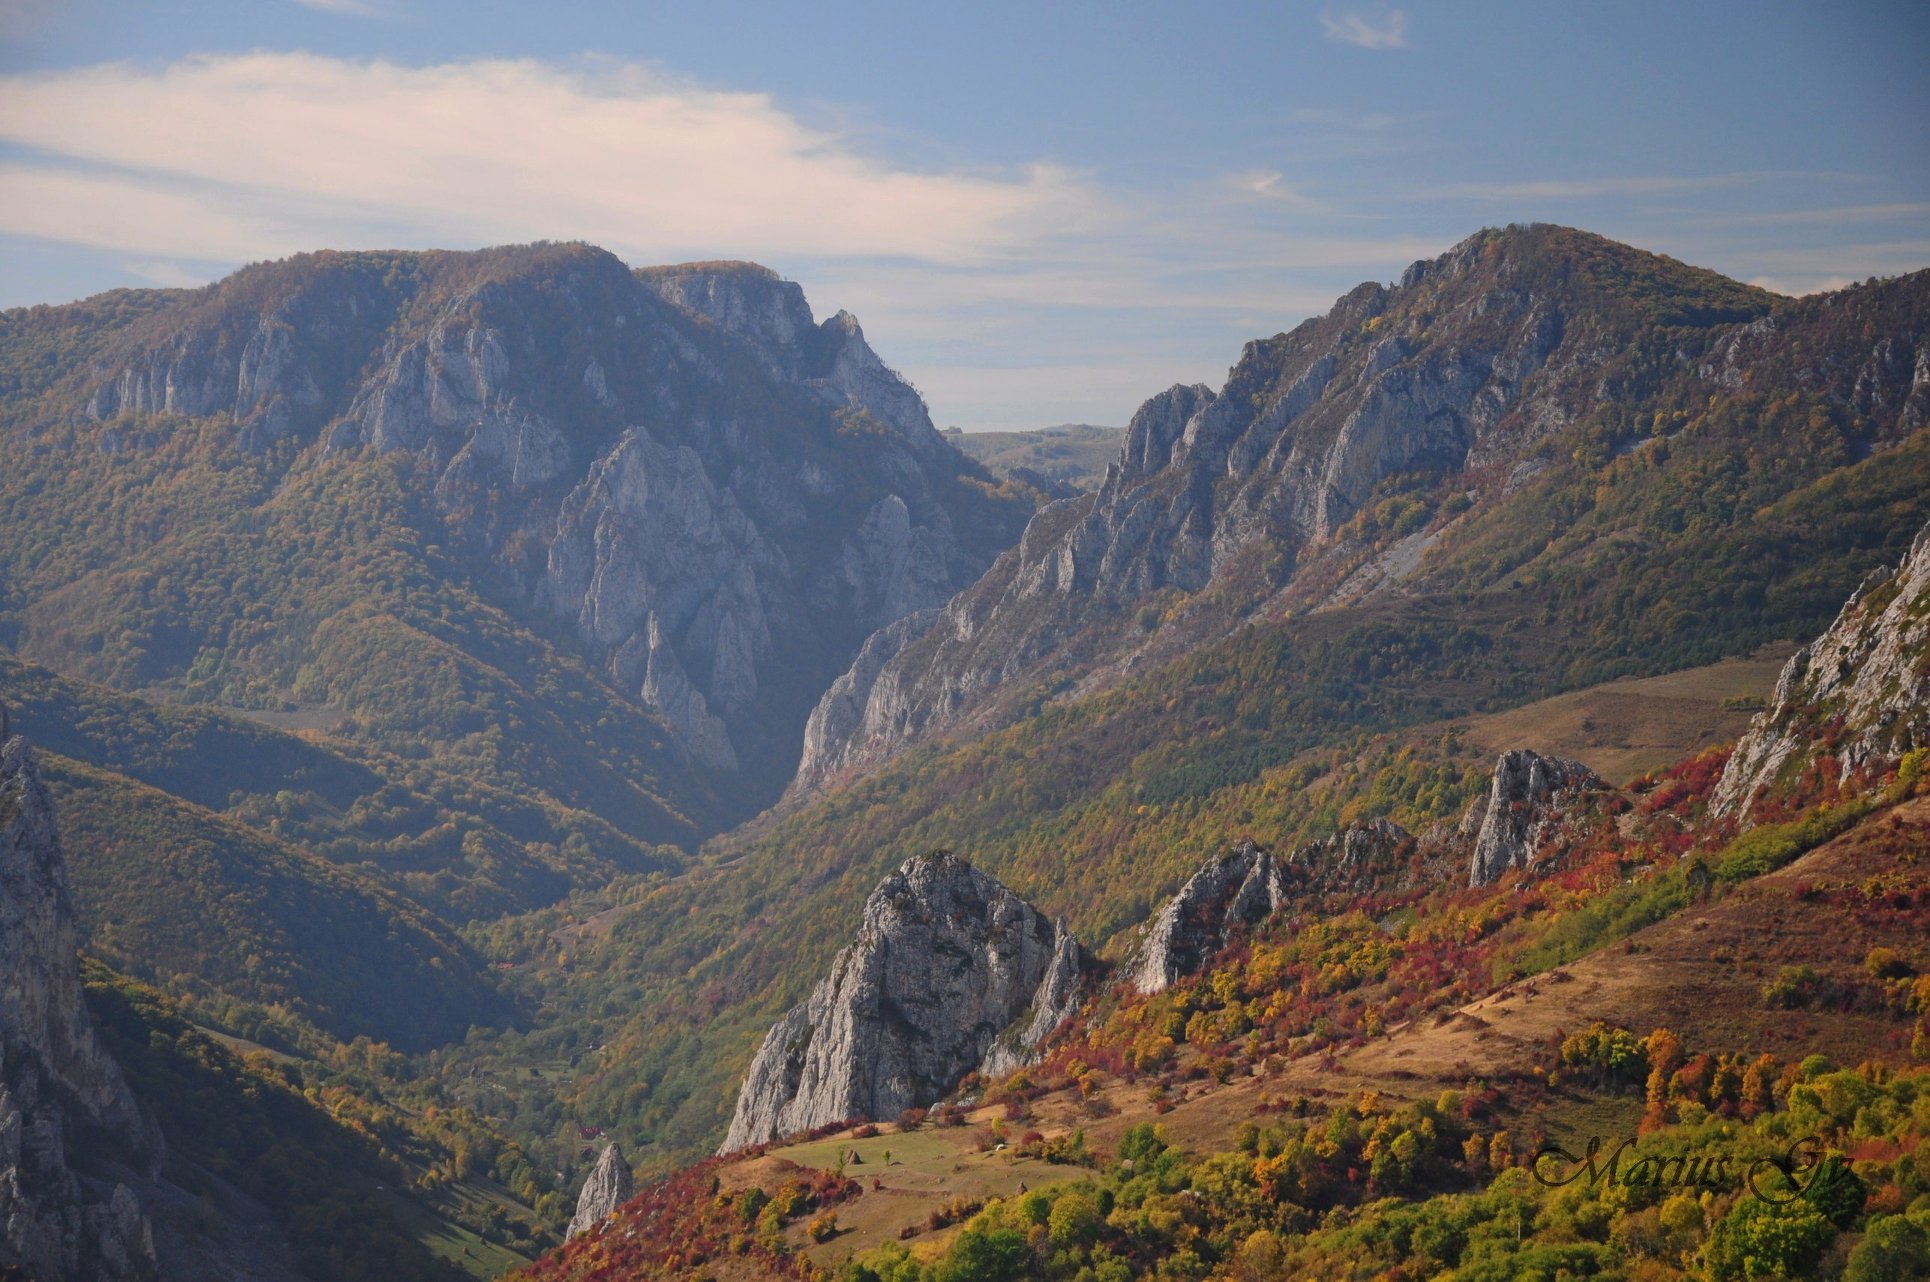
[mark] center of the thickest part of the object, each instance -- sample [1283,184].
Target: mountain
[1514,364]
[593,534]
[1074,455]
[415,639]
[1358,679]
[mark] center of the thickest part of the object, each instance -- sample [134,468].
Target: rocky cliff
[715,495]
[1453,383]
[951,972]
[1227,895]
[1860,692]
[68,1123]
[609,1186]
[1237,892]
[1530,801]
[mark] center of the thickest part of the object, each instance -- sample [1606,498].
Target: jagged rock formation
[63,1215]
[951,972]
[1863,687]
[1231,893]
[719,496]
[1529,801]
[1354,858]
[609,1186]
[1462,370]
[1239,891]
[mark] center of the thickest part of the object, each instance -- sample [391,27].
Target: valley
[478,692]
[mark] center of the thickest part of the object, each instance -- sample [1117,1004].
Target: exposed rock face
[609,1186]
[1869,674]
[1462,369]
[1356,857]
[951,972]
[1235,892]
[57,1221]
[1529,801]
[718,495]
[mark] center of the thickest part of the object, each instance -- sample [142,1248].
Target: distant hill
[1073,454]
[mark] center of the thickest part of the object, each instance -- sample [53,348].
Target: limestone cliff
[1239,891]
[609,1186]
[63,1215]
[1234,892]
[951,972]
[1530,801]
[1860,692]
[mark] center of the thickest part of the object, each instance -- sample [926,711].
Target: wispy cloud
[351,8]
[1835,214]
[1590,188]
[167,275]
[1367,31]
[1635,185]
[255,155]
[1272,185]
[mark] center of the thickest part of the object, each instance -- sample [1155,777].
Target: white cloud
[1835,262]
[167,275]
[1271,184]
[261,154]
[1388,31]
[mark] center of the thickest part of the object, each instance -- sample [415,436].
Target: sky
[1040,213]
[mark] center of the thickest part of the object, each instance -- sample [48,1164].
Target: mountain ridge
[450,496]
[1453,377]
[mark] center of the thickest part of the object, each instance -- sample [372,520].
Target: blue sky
[1040,213]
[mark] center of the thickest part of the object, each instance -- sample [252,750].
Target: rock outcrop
[609,1186]
[1357,857]
[951,972]
[1465,369]
[1229,894]
[63,1215]
[1862,688]
[1530,801]
[717,495]
[1239,891]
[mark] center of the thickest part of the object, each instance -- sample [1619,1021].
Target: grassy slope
[255,930]
[323,588]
